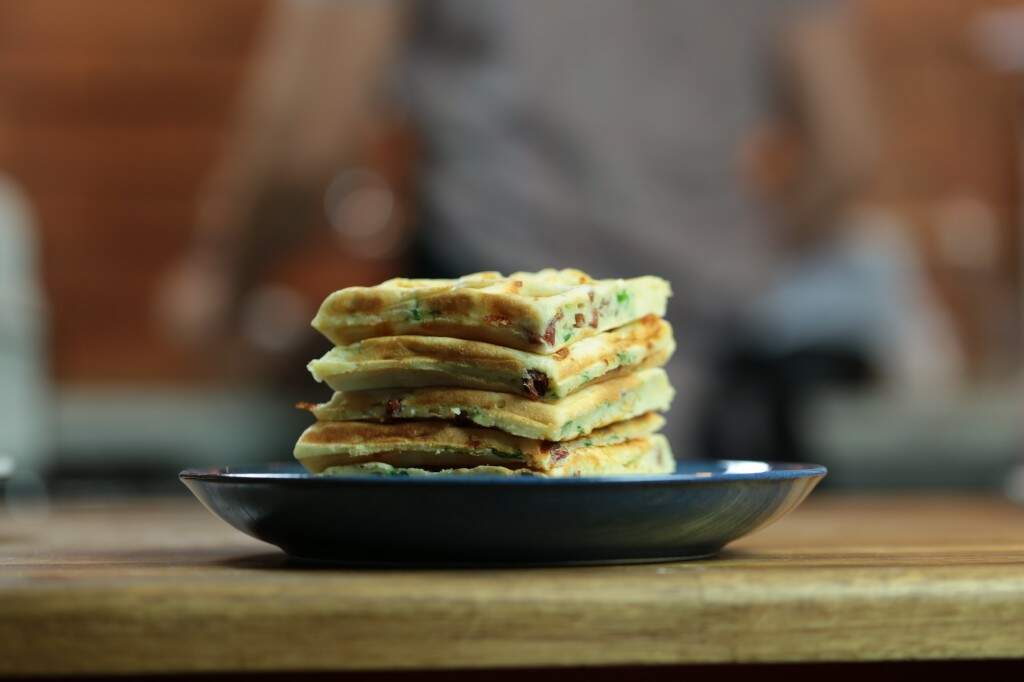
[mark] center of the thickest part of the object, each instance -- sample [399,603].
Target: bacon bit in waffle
[580,320]
[549,333]
[558,454]
[535,384]
[393,407]
[594,317]
[474,442]
[561,353]
[305,406]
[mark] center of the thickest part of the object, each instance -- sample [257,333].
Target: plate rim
[777,471]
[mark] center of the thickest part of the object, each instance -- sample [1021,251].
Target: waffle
[647,455]
[538,312]
[591,408]
[417,361]
[439,445]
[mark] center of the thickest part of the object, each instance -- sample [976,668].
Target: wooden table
[162,586]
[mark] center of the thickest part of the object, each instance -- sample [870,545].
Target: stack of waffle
[549,373]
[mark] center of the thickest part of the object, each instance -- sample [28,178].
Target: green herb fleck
[566,336]
[624,358]
[622,296]
[414,314]
[580,430]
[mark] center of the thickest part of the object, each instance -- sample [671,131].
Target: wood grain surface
[162,586]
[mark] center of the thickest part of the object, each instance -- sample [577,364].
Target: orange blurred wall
[112,113]
[950,124]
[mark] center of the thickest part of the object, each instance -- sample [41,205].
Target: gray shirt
[598,134]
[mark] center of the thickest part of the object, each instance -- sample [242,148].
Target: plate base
[367,522]
[325,562]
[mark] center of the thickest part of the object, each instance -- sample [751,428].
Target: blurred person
[596,134]
[600,135]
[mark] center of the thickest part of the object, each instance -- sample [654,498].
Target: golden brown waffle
[540,312]
[417,361]
[437,444]
[596,406]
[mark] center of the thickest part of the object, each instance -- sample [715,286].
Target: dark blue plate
[473,520]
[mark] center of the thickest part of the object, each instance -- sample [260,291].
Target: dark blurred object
[757,407]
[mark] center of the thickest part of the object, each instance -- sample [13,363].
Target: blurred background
[833,188]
